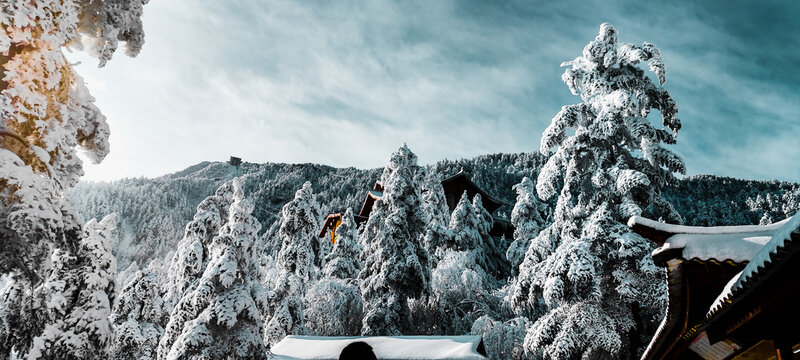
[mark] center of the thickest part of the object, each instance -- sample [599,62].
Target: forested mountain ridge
[152,212]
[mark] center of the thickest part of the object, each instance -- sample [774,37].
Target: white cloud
[346,83]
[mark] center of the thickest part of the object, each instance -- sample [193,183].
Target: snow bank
[385,347]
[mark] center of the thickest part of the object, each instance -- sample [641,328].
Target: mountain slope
[153,212]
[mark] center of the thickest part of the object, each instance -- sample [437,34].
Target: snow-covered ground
[385,347]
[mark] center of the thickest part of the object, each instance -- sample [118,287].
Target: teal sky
[345,83]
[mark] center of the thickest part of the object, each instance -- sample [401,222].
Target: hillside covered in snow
[152,212]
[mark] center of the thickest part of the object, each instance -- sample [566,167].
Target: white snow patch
[462,347]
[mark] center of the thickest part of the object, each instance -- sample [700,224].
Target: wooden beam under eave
[655,235]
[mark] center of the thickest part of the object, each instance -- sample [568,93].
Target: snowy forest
[223,261]
[154,217]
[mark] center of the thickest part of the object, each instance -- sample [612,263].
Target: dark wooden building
[457,184]
[733,291]
[235,161]
[331,223]
[369,201]
[334,220]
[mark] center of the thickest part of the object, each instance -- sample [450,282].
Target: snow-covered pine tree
[437,233]
[322,246]
[333,305]
[464,223]
[192,254]
[395,263]
[496,264]
[528,217]
[21,315]
[140,315]
[221,316]
[125,276]
[596,280]
[299,224]
[459,288]
[503,340]
[343,262]
[469,225]
[46,113]
[79,294]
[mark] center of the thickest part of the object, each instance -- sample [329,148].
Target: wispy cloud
[344,83]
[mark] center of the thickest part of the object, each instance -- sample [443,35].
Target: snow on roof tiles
[682,229]
[758,261]
[464,347]
[722,243]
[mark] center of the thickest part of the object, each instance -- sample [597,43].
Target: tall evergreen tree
[437,233]
[528,218]
[221,316]
[140,315]
[343,262]
[193,252]
[595,281]
[79,294]
[464,223]
[494,253]
[333,305]
[396,266]
[46,113]
[299,225]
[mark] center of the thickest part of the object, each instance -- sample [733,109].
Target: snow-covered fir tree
[343,262]
[395,263]
[21,315]
[528,218]
[459,291]
[503,339]
[333,305]
[78,297]
[192,254]
[222,316]
[470,224]
[46,114]
[298,229]
[140,315]
[437,232]
[496,263]
[591,277]
[464,224]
